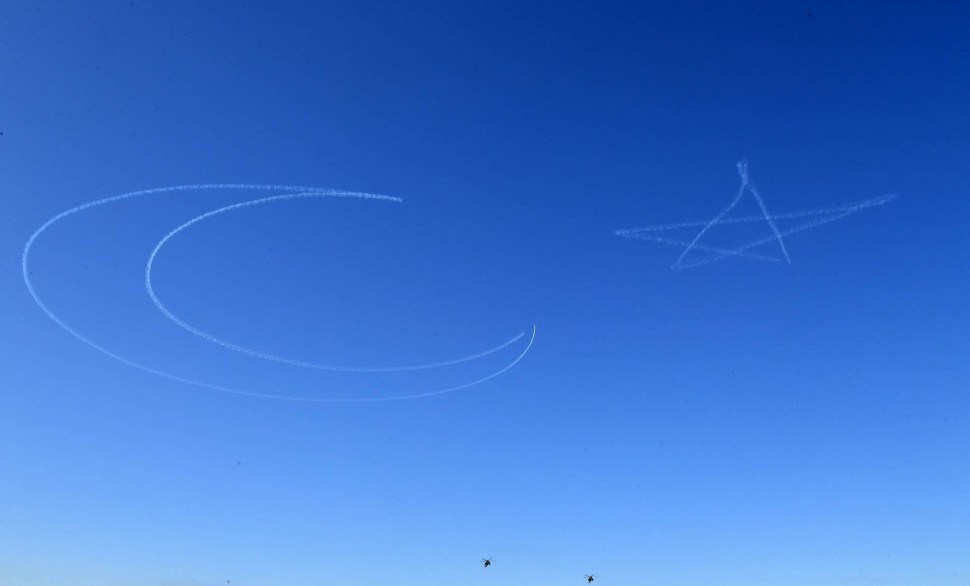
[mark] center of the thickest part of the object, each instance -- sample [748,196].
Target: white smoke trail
[745,184]
[833,213]
[708,225]
[280,359]
[25,268]
[845,211]
[725,251]
[875,201]
[764,212]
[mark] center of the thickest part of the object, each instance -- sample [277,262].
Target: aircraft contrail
[871,202]
[832,213]
[725,251]
[745,184]
[764,212]
[299,191]
[264,355]
[711,223]
[812,224]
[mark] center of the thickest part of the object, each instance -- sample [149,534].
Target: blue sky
[738,423]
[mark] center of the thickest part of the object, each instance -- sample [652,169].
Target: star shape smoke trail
[816,218]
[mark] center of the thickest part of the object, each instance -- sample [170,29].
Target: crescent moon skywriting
[289,192]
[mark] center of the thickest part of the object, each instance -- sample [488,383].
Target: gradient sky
[742,423]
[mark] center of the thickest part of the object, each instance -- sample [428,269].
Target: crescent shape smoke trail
[271,357]
[25,264]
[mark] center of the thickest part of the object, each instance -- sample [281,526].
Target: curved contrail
[266,356]
[300,191]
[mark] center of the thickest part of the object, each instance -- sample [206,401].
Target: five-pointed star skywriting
[814,218]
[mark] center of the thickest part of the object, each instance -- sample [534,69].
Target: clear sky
[744,422]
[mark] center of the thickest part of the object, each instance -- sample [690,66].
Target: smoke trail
[725,251]
[845,211]
[711,223]
[874,201]
[263,355]
[832,213]
[25,268]
[745,183]
[764,212]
